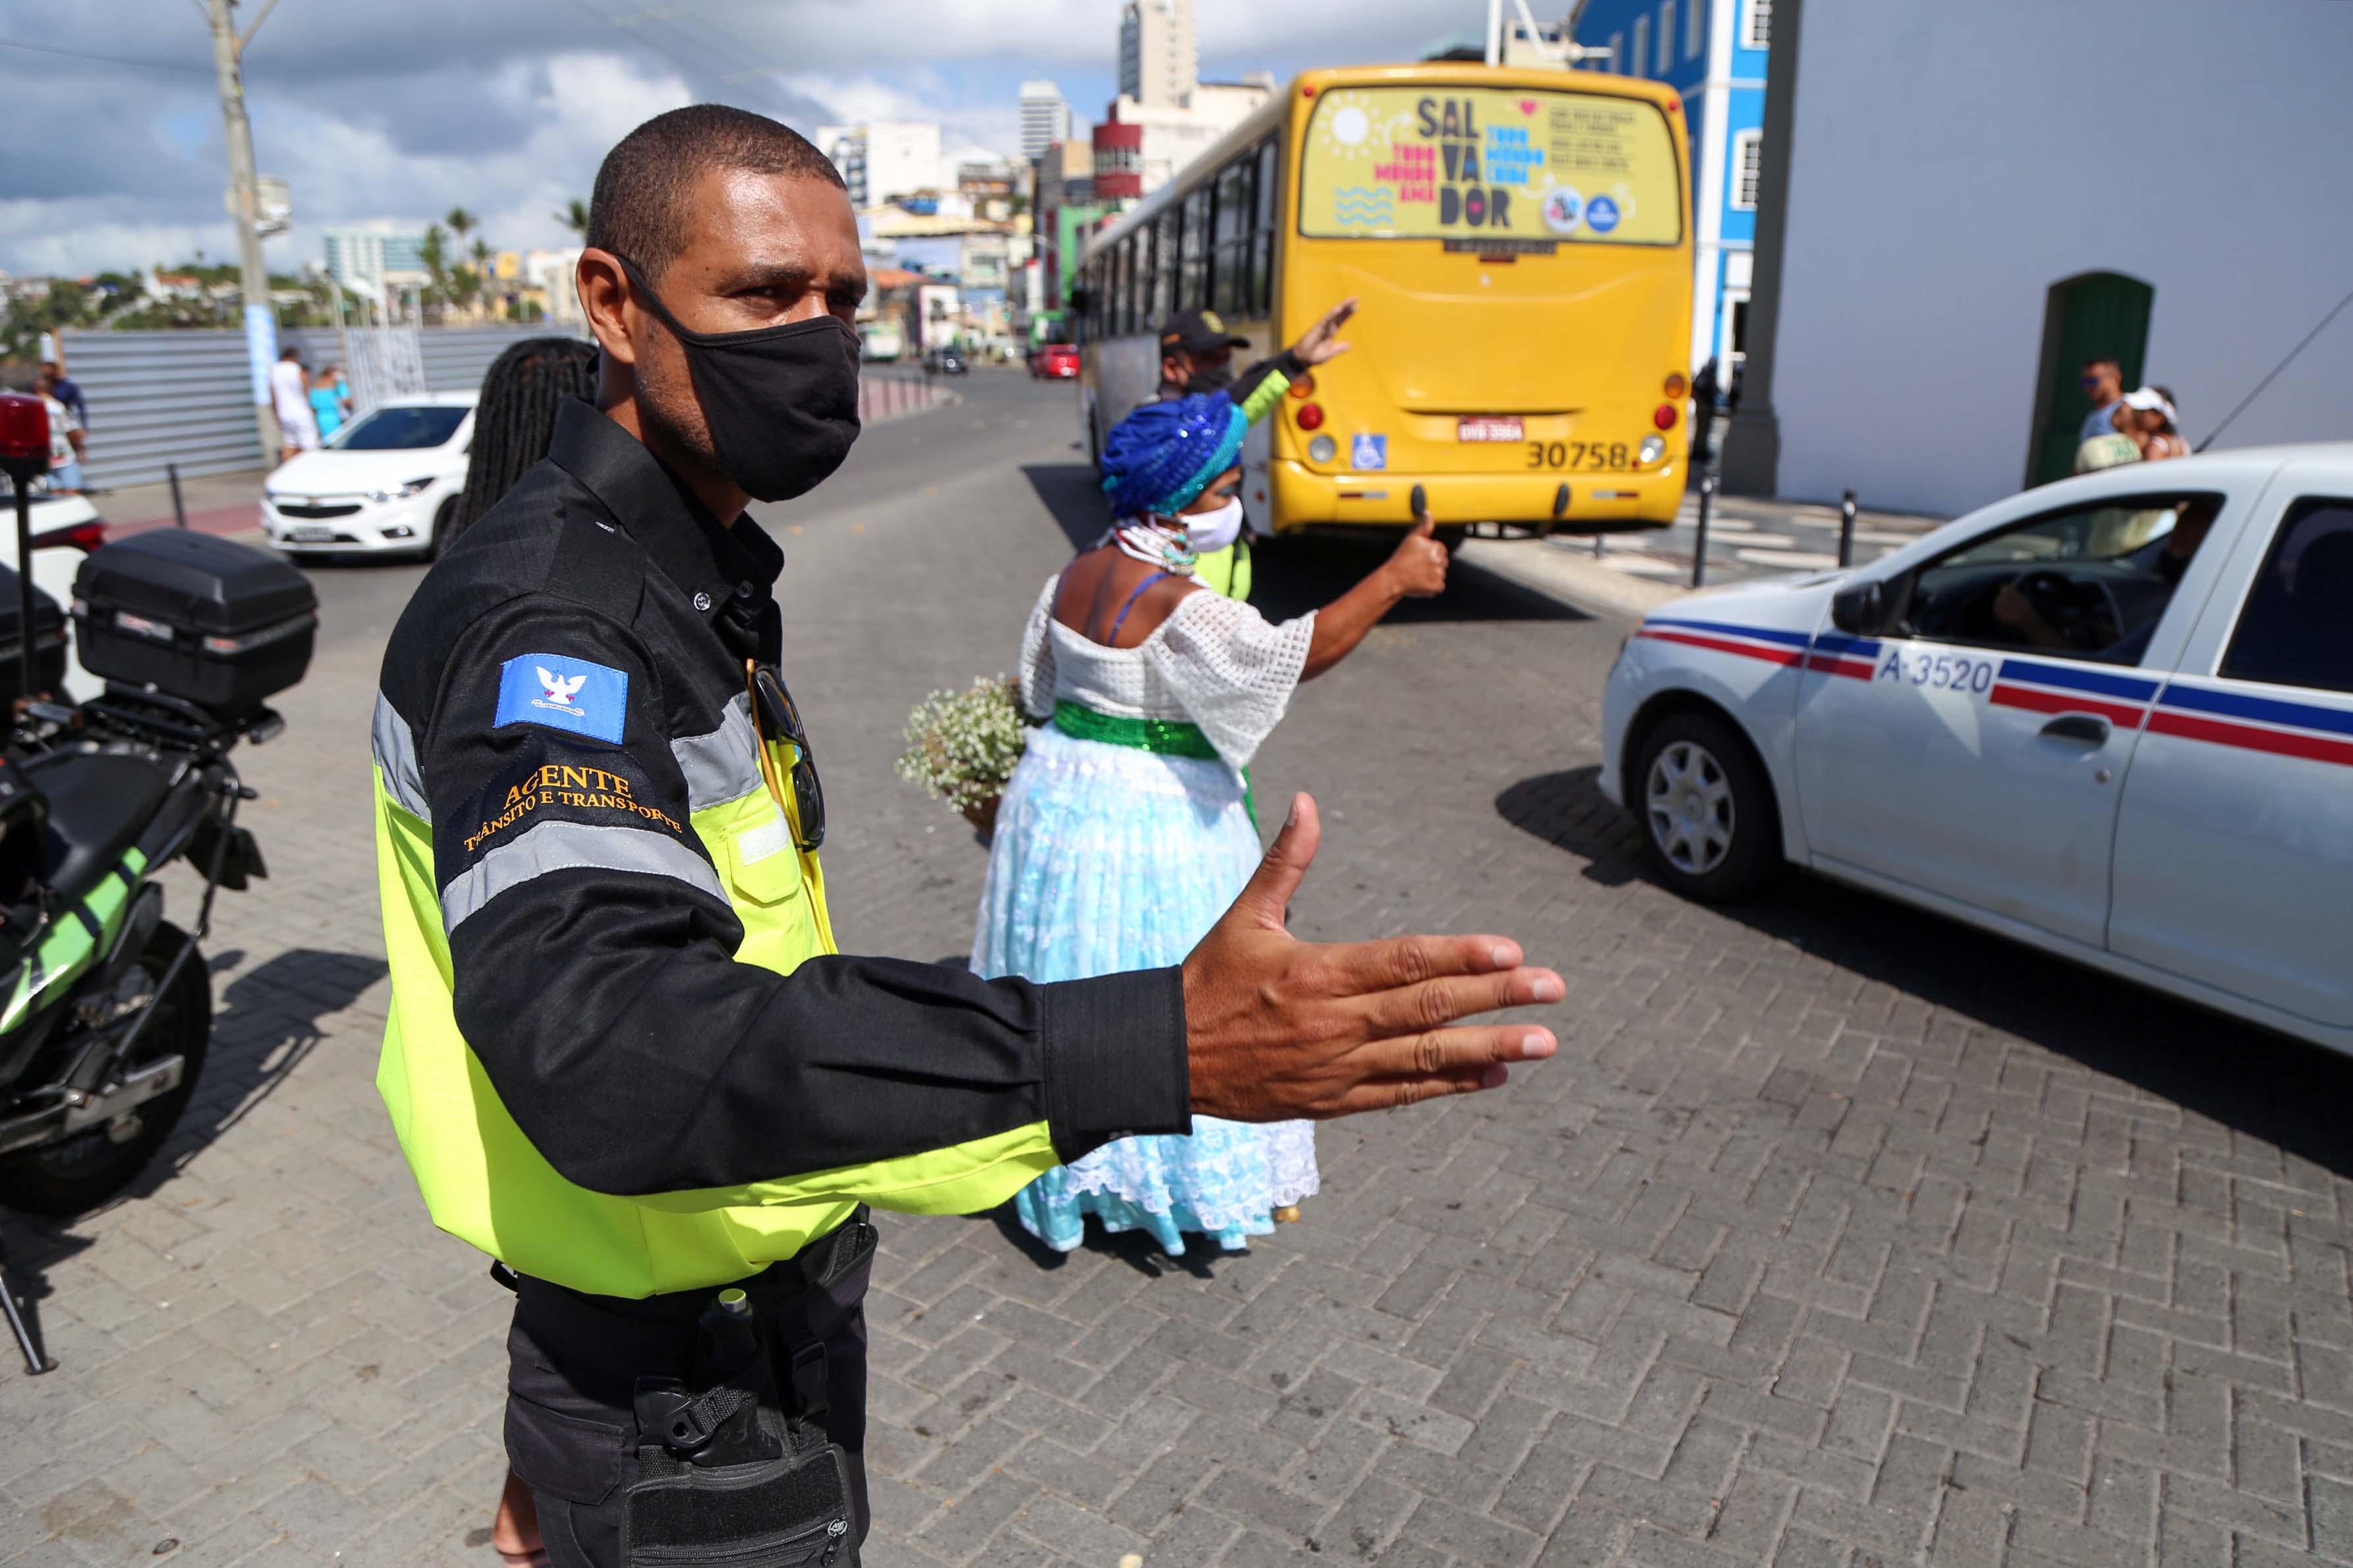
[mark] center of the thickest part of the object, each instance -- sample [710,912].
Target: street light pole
[260,320]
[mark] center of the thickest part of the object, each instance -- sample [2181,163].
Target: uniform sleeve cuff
[1116,1062]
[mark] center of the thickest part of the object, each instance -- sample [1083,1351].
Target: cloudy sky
[401,111]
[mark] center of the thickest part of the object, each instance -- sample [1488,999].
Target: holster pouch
[791,1511]
[737,1472]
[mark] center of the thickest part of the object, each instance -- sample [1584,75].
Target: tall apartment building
[1159,60]
[887,158]
[366,257]
[1045,118]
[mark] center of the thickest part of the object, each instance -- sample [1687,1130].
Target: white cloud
[405,110]
[990,121]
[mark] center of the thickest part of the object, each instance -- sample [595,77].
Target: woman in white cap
[2156,423]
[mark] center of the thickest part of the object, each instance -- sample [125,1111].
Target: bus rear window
[1485,164]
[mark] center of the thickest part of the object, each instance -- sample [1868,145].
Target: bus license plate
[1489,427]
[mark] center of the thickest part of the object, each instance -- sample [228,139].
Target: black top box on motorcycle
[49,643]
[206,620]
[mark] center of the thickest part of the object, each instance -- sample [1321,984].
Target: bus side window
[1171,258]
[1128,284]
[1263,235]
[1231,284]
[1144,274]
[1195,278]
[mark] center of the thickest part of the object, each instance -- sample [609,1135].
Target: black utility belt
[733,1467]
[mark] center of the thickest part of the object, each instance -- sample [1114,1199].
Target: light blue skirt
[1109,858]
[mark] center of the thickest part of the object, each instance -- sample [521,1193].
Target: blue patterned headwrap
[1163,456]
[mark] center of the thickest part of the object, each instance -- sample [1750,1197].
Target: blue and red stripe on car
[2174,707]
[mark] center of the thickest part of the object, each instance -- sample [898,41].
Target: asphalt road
[1836,1234]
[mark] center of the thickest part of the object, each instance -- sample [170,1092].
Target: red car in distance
[1055,361]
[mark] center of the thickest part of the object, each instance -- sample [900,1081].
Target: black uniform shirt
[599,605]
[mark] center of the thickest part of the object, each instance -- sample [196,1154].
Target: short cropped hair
[639,208]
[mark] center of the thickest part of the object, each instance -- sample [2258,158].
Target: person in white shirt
[290,395]
[65,440]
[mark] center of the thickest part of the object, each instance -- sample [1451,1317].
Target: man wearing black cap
[1197,353]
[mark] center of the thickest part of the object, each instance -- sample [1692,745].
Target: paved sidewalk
[1837,1234]
[1748,538]
[215,503]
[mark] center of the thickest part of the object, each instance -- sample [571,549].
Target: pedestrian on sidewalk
[1127,827]
[2103,384]
[2157,425]
[68,392]
[1704,390]
[623,1057]
[289,398]
[67,442]
[331,403]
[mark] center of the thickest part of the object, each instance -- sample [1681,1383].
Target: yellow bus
[1519,243]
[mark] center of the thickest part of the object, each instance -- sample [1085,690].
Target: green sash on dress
[1169,737]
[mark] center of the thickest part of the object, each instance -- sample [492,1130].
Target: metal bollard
[179,510]
[1699,546]
[1846,530]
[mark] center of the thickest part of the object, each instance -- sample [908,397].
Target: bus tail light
[1664,416]
[1310,416]
[1676,386]
[1322,449]
[1304,386]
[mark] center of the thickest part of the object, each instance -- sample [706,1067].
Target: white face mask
[1211,532]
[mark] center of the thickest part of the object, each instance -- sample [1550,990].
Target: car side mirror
[1860,610]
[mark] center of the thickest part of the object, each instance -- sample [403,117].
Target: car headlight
[404,492]
[1654,449]
[1322,449]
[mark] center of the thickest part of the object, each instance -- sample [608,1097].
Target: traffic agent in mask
[623,1057]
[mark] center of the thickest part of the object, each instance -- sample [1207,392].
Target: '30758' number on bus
[1603,455]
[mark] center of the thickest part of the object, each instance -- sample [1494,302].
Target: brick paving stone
[1835,1235]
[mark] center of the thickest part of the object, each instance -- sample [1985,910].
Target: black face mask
[781,402]
[1204,380]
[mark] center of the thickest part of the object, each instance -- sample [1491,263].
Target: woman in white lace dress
[1128,827]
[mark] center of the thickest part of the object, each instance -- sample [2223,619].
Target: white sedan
[390,480]
[2111,717]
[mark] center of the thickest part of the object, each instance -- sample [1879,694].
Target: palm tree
[433,250]
[461,223]
[481,255]
[574,216]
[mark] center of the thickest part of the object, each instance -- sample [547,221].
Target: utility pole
[260,320]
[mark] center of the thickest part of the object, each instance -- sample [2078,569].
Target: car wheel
[1708,813]
[443,521]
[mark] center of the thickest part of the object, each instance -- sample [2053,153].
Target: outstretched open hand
[1277,1027]
[1322,342]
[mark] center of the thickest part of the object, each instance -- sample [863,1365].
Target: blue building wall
[1722,81]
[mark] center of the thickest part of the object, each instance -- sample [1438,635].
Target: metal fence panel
[159,397]
[184,398]
[456,357]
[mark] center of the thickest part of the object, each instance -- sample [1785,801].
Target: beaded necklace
[1156,543]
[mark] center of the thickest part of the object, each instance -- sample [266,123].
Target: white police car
[2111,717]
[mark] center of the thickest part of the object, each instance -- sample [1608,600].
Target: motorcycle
[106,1006]
[108,1010]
